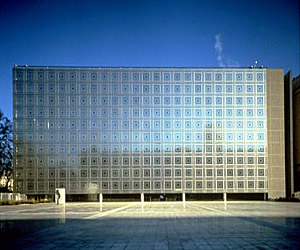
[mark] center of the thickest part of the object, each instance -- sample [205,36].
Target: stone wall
[276,147]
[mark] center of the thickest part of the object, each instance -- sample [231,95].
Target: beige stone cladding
[276,148]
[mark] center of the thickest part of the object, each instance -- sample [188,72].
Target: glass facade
[133,130]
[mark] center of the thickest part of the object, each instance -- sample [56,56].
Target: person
[161,197]
[57,194]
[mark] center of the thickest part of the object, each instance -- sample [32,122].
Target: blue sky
[146,33]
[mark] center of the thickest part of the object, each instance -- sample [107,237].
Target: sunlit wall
[133,130]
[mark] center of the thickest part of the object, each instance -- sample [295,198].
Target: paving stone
[172,225]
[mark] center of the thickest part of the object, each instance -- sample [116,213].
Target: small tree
[6,153]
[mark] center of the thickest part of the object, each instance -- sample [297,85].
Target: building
[289,130]
[121,130]
[296,135]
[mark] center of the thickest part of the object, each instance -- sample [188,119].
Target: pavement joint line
[102,214]
[215,210]
[66,213]
[21,211]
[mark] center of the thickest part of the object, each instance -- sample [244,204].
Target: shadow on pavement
[149,233]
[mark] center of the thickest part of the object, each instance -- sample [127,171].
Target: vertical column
[100,197]
[225,197]
[183,197]
[142,197]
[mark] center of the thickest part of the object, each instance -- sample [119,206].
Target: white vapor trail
[219,50]
[222,60]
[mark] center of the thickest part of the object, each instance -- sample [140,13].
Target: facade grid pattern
[133,130]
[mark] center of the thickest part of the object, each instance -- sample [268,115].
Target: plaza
[142,132]
[152,225]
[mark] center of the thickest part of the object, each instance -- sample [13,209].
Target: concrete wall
[276,147]
[288,124]
[296,125]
